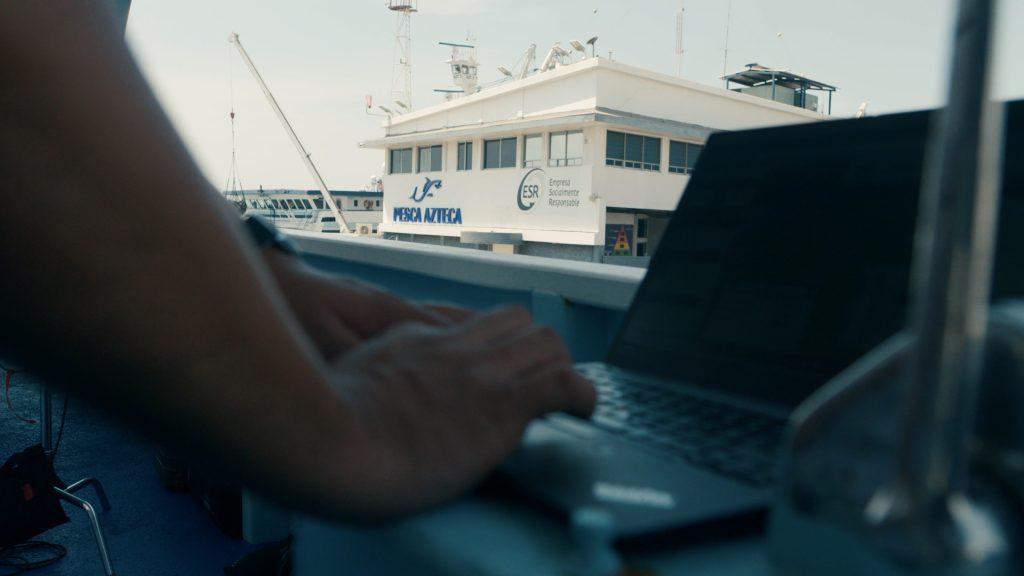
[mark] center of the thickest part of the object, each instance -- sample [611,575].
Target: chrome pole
[952,270]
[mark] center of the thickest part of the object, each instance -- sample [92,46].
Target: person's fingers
[557,389]
[527,351]
[454,314]
[495,325]
[404,311]
[334,339]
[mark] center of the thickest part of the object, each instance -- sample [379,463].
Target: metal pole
[952,270]
[46,418]
[291,134]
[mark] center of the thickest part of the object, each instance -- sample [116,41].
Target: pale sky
[322,57]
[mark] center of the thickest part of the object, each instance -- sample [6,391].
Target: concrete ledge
[601,285]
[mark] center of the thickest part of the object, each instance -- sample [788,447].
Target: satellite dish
[504,71]
[592,41]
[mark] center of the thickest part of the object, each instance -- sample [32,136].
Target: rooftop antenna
[679,38]
[401,72]
[725,59]
[593,45]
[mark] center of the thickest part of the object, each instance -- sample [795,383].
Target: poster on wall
[618,240]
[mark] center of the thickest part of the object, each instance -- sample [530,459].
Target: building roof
[561,119]
[577,68]
[563,97]
[756,75]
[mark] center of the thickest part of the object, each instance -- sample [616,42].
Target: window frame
[435,155]
[564,159]
[539,160]
[685,167]
[502,143]
[391,160]
[631,144]
[464,152]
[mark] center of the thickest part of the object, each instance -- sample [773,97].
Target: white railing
[600,285]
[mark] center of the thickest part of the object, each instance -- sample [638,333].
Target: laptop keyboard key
[704,433]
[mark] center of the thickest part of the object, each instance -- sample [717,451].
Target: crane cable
[234,182]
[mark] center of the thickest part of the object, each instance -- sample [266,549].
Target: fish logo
[419,196]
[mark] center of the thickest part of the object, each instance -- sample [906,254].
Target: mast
[328,200]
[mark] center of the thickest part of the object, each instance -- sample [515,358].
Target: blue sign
[418,196]
[417,215]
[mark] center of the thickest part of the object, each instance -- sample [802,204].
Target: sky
[321,58]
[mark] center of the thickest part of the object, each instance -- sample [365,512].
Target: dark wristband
[264,235]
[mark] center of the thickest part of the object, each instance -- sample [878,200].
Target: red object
[27,492]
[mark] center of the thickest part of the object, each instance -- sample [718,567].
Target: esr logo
[530,189]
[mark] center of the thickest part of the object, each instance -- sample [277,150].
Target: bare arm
[126,280]
[124,276]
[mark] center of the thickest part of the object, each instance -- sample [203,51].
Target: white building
[586,161]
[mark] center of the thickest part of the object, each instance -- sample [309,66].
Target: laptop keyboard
[719,437]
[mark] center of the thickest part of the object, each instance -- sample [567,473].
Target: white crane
[523,67]
[328,200]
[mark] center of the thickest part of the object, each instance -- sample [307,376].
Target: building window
[465,156]
[378,203]
[290,203]
[566,148]
[306,203]
[682,156]
[401,161]
[500,153]
[633,151]
[430,159]
[532,151]
[319,203]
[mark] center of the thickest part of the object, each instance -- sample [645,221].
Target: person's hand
[436,408]
[339,313]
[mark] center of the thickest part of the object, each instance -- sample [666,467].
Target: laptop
[787,259]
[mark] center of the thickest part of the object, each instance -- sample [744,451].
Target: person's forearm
[126,279]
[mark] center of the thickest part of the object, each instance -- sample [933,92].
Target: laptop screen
[788,256]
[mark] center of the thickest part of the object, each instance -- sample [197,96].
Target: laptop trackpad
[569,464]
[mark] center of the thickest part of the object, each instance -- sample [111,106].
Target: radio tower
[679,38]
[401,74]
